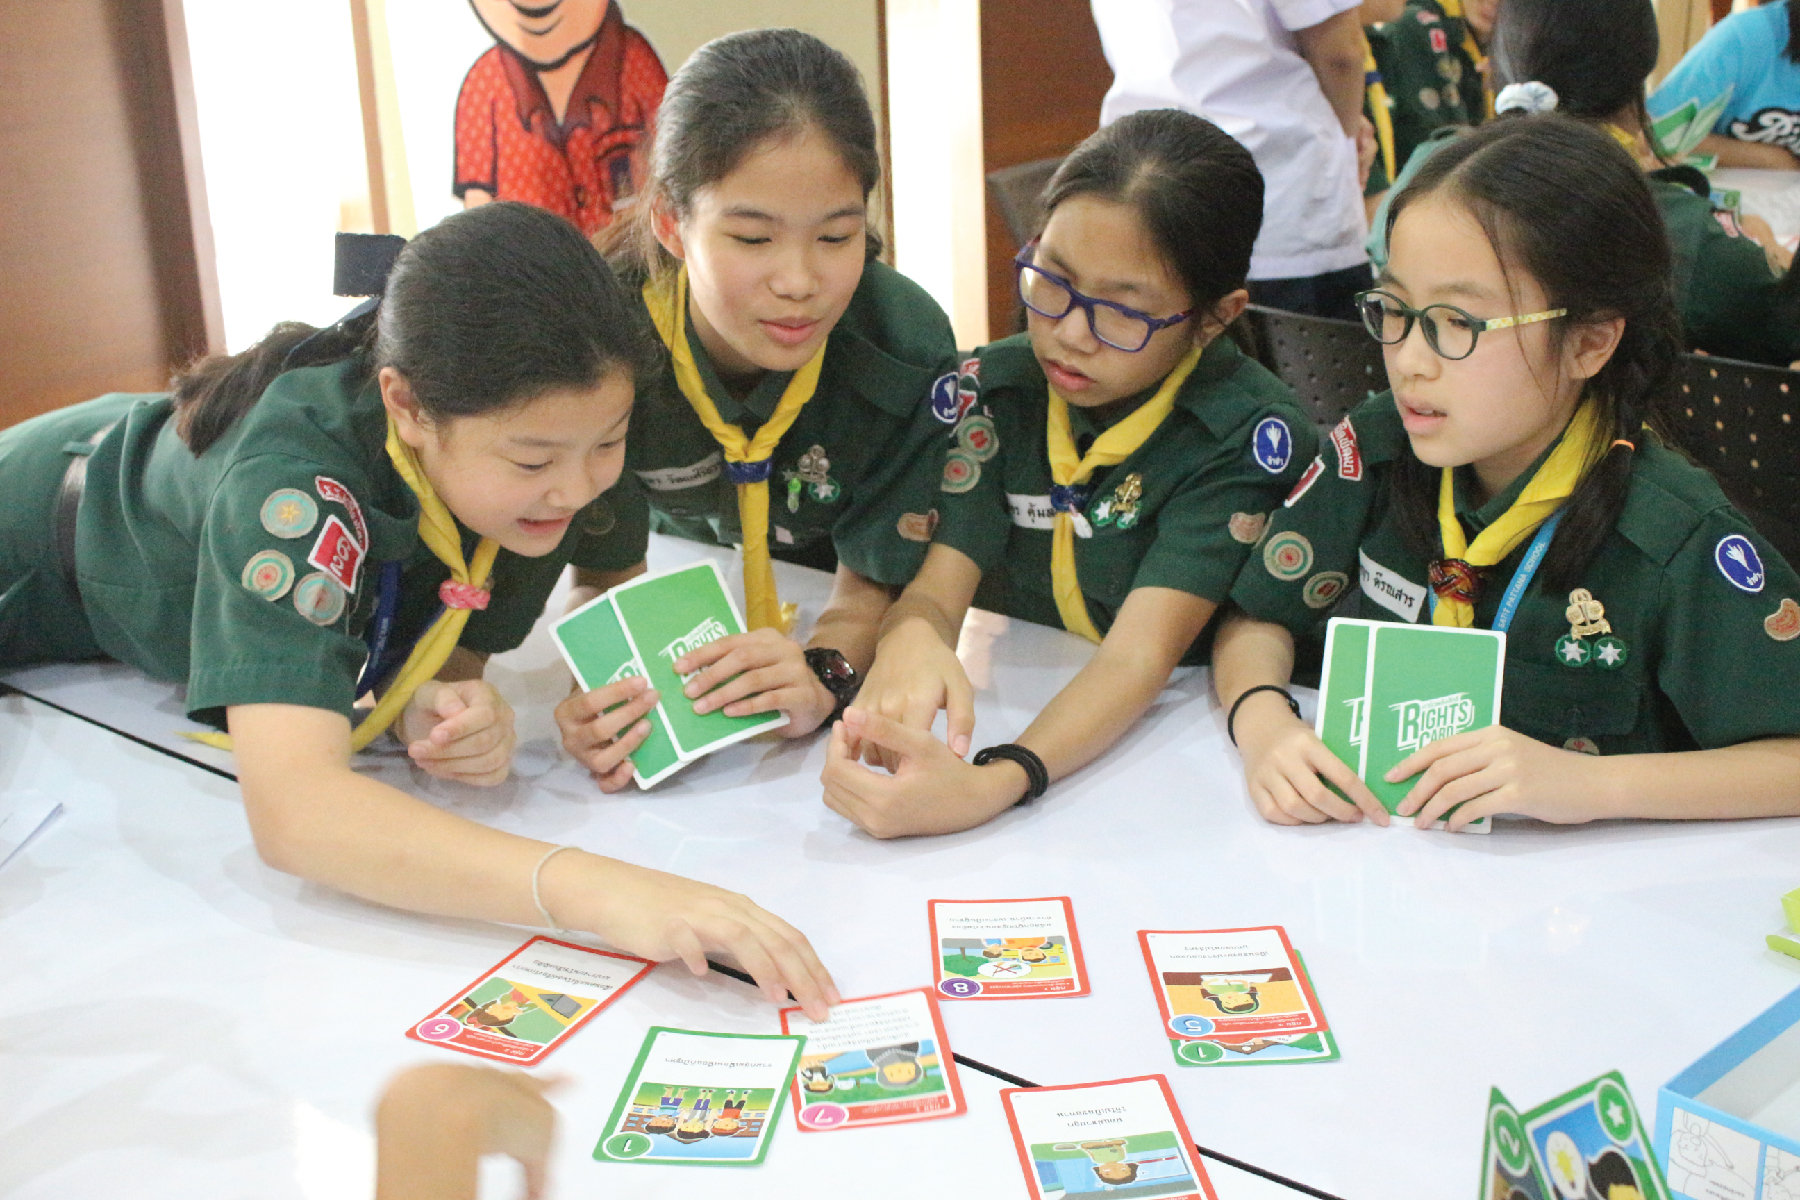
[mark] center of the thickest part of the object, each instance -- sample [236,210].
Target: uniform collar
[599,83]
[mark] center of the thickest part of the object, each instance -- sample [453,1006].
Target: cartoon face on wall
[544,35]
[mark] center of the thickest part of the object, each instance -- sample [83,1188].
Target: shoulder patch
[1349,455]
[337,553]
[319,599]
[1323,589]
[1784,623]
[961,472]
[976,434]
[1272,445]
[1739,563]
[1314,469]
[1248,527]
[289,513]
[1288,555]
[337,493]
[954,393]
[270,573]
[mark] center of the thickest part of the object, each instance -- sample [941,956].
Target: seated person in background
[1140,454]
[1531,343]
[1589,59]
[1431,60]
[1755,54]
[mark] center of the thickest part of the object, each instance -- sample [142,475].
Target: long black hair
[735,94]
[1596,54]
[491,307]
[1195,187]
[1562,202]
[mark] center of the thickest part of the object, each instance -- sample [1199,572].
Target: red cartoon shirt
[509,144]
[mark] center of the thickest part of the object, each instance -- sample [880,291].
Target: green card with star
[1509,1171]
[1590,1141]
[1389,689]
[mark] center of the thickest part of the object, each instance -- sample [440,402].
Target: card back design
[593,644]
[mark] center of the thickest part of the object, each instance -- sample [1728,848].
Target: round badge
[1784,623]
[943,398]
[977,435]
[1247,527]
[1611,653]
[1429,98]
[1581,745]
[917,527]
[289,513]
[1323,589]
[1614,1109]
[960,988]
[627,1145]
[1288,555]
[598,520]
[269,574]
[825,491]
[1200,1052]
[1572,651]
[1191,1024]
[319,598]
[1509,1139]
[1272,445]
[1739,563]
[1128,518]
[824,1116]
[961,472]
[438,1029]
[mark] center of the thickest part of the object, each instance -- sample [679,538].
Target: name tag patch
[1031,512]
[1391,590]
[678,479]
[337,553]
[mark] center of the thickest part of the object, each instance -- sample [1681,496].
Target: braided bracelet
[1036,773]
[1231,718]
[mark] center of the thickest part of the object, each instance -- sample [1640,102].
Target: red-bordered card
[1124,1136]
[530,1001]
[1006,949]
[876,1060]
[1229,981]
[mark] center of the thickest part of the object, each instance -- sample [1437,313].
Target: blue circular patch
[1273,445]
[944,403]
[1739,562]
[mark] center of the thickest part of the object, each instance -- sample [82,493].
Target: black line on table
[9,689]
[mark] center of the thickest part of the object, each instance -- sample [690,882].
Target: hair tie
[1622,442]
[1531,97]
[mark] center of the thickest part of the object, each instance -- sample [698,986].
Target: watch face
[832,668]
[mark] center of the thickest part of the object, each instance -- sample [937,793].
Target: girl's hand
[914,675]
[1496,770]
[662,917]
[1286,768]
[602,741]
[757,672]
[435,1122]
[461,731]
[931,790]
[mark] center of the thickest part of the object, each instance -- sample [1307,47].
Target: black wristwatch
[838,676]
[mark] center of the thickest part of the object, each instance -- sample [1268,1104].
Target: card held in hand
[594,645]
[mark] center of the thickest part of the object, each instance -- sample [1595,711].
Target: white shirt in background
[1234,62]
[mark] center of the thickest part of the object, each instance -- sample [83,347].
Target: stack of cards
[1006,949]
[1123,1138]
[1234,996]
[700,1098]
[875,1061]
[1587,1142]
[530,1001]
[641,628]
[1390,689]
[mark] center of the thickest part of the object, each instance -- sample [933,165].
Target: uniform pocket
[1558,705]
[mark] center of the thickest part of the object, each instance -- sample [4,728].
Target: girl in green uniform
[1514,479]
[792,411]
[1141,455]
[373,508]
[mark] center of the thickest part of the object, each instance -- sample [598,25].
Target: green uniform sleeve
[971,507]
[1732,303]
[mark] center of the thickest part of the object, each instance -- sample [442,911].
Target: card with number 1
[1006,949]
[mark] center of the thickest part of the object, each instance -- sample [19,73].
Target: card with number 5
[1229,981]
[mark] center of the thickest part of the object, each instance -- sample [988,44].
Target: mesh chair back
[1017,191]
[1742,422]
[1332,366]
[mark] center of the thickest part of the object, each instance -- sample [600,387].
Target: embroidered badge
[947,403]
[331,489]
[977,435]
[1611,652]
[1451,69]
[1272,445]
[918,527]
[289,513]
[1314,469]
[1439,43]
[1582,746]
[1784,623]
[1426,16]
[1323,589]
[1349,454]
[1288,555]
[337,553]
[1572,651]
[1739,563]
[270,573]
[961,472]
[1429,98]
[319,598]
[1122,506]
[1247,527]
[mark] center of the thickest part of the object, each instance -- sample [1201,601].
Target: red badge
[337,553]
[1314,469]
[1343,440]
[1439,43]
[331,489]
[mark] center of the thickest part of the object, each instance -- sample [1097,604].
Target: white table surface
[1532,958]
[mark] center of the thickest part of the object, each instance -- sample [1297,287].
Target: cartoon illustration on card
[1006,949]
[1229,1050]
[876,1060]
[1508,1170]
[700,1098]
[1122,1138]
[1230,983]
[526,1005]
[1591,1144]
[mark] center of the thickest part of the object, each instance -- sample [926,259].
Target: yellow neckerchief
[437,529]
[1553,482]
[1453,8]
[1379,114]
[667,301]
[1067,469]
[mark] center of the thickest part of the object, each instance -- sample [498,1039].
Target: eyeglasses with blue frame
[1117,325]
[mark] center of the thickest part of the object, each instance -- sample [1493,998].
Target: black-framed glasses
[1050,295]
[1449,331]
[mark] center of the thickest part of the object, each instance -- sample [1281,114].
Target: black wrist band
[1231,718]
[1037,775]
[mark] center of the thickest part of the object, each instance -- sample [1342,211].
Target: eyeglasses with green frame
[1449,331]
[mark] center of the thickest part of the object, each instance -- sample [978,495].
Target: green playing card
[1508,1169]
[664,617]
[1589,1141]
[1418,684]
[701,1099]
[594,645]
[1677,133]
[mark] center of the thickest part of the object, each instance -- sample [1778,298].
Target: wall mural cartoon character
[558,112]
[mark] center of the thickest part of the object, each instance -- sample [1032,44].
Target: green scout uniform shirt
[872,416]
[1430,81]
[1708,612]
[165,544]
[1208,475]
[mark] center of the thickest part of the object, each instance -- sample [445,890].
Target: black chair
[1333,366]
[1018,191]
[1739,420]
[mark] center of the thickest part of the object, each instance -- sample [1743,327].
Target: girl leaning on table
[1140,452]
[792,408]
[1515,479]
[373,508]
